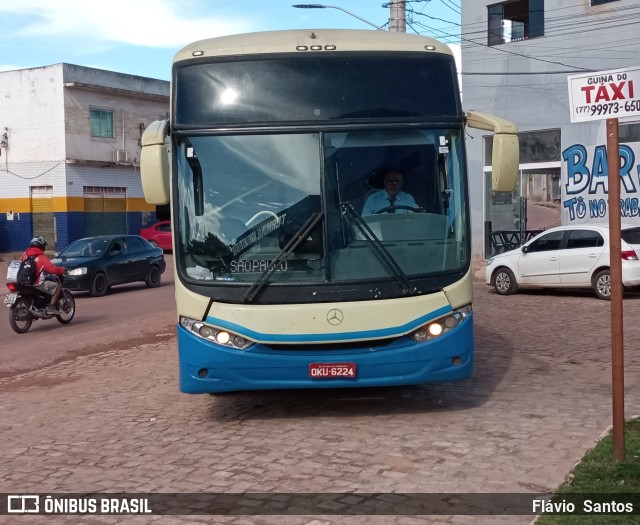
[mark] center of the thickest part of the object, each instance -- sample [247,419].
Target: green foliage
[600,473]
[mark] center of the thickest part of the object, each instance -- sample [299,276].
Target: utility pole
[398,16]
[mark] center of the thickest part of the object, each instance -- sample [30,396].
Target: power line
[616,18]
[577,68]
[452,6]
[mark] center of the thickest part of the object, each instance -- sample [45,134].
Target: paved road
[542,217]
[128,315]
[539,399]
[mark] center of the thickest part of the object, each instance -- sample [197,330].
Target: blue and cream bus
[274,142]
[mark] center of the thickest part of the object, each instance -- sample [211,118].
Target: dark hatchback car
[95,264]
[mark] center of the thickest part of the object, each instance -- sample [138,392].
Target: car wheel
[602,285]
[504,282]
[99,286]
[153,277]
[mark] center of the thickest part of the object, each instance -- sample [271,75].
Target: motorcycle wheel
[19,316]
[66,307]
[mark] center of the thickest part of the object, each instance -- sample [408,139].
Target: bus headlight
[441,326]
[215,335]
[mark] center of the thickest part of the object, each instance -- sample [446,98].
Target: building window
[535,146]
[101,123]
[515,20]
[629,133]
[600,2]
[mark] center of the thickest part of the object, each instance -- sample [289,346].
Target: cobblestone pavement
[539,399]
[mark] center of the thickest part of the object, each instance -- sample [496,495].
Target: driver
[390,196]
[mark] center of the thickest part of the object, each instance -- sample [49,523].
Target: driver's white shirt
[380,199]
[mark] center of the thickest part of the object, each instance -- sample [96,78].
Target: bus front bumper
[209,368]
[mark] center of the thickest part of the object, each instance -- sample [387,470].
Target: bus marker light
[435,329]
[451,321]
[457,360]
[420,336]
[316,48]
[442,325]
[240,342]
[198,53]
[214,334]
[330,48]
[205,331]
[202,373]
[223,337]
[301,48]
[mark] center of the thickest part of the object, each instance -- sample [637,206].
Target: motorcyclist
[44,266]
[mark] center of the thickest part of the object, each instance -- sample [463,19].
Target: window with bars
[104,189]
[101,123]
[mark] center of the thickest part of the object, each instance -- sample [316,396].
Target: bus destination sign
[605,94]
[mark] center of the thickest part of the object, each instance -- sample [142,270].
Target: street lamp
[323,6]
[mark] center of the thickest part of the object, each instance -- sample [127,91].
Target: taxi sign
[604,94]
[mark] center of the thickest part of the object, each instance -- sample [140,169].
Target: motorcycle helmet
[39,242]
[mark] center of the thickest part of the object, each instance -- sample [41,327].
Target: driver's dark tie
[392,201]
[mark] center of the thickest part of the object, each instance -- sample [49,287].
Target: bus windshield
[244,201]
[326,88]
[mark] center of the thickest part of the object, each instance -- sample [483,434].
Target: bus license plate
[332,370]
[10,298]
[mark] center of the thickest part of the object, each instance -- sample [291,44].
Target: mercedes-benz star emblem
[335,316]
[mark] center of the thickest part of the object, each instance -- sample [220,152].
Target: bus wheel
[504,282]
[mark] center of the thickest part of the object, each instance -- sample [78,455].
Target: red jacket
[42,263]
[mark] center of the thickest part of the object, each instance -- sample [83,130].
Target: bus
[273,143]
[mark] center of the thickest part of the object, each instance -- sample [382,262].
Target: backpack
[27,272]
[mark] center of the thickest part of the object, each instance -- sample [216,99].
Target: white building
[69,152]
[516,58]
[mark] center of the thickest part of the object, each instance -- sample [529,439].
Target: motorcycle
[26,304]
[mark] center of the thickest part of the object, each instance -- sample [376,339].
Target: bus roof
[301,40]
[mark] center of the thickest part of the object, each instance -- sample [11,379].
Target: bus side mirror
[154,163]
[505,155]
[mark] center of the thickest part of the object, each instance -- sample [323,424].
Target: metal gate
[43,220]
[105,210]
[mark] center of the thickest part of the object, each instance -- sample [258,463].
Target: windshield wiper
[293,243]
[379,249]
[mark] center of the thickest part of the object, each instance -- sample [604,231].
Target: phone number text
[609,108]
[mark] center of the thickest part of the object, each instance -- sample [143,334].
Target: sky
[140,37]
